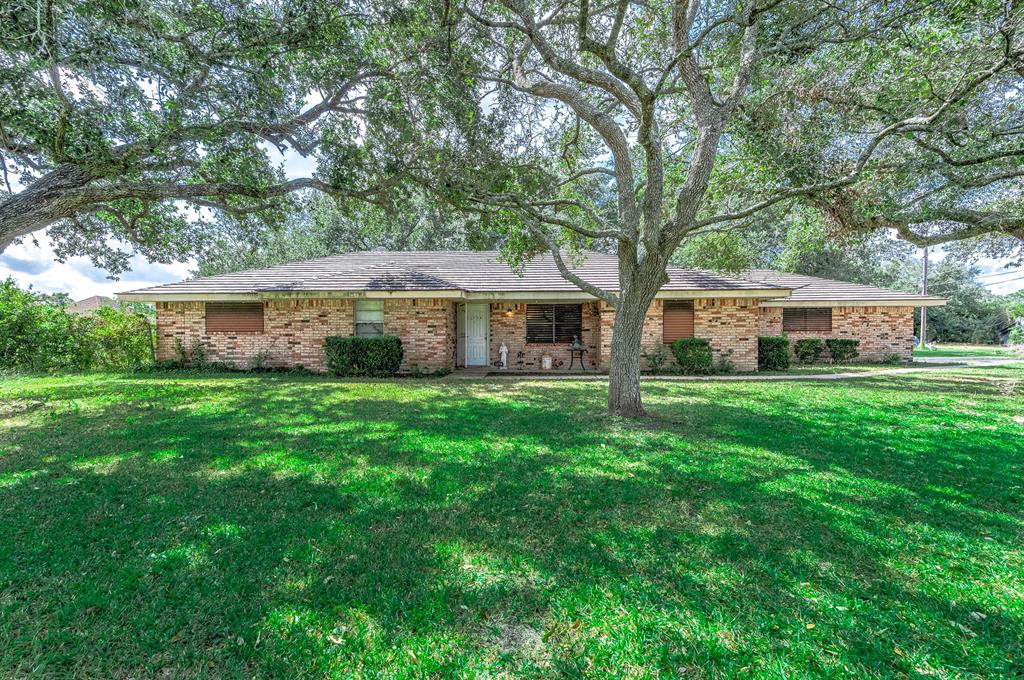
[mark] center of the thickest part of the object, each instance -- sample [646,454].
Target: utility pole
[924,291]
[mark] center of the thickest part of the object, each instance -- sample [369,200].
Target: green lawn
[967,351]
[253,526]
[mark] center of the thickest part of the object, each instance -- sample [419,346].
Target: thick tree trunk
[638,284]
[624,371]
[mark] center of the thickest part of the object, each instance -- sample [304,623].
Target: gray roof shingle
[809,289]
[468,271]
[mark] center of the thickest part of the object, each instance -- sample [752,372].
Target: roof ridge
[390,264]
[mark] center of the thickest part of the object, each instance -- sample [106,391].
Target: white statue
[503,351]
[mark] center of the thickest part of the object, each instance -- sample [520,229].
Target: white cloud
[36,266]
[295,165]
[1000,285]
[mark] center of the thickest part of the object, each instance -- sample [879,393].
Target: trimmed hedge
[772,353]
[809,350]
[693,355]
[843,349]
[353,356]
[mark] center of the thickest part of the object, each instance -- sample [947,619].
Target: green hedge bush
[353,356]
[693,355]
[809,350]
[37,333]
[842,349]
[772,353]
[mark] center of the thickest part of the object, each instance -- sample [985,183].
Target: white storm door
[477,319]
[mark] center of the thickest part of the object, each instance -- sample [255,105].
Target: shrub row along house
[460,309]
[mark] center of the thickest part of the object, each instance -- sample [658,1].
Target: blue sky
[35,265]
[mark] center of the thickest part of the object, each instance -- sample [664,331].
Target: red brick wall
[729,324]
[882,331]
[650,338]
[294,332]
[422,324]
[508,325]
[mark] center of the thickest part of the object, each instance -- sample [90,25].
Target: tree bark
[40,204]
[624,371]
[638,284]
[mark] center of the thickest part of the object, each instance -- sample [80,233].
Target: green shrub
[891,358]
[191,356]
[37,333]
[122,339]
[809,350]
[1017,335]
[350,356]
[657,358]
[772,353]
[693,355]
[724,366]
[842,349]
[259,360]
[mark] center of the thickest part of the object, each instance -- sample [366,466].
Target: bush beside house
[809,350]
[843,349]
[354,356]
[693,356]
[772,353]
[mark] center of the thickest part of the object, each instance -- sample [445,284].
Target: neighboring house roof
[811,291]
[90,304]
[462,274]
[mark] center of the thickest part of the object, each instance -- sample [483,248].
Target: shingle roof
[811,289]
[90,304]
[466,271]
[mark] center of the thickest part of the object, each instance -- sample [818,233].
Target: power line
[999,283]
[992,274]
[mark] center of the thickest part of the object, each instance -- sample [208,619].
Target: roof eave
[153,296]
[520,295]
[698,293]
[858,302]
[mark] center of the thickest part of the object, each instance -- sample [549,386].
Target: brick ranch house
[456,309]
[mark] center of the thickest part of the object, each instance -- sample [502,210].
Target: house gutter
[888,302]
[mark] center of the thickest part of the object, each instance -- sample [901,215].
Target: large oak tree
[141,122]
[566,122]
[704,115]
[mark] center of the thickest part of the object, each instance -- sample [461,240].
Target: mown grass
[279,526]
[967,351]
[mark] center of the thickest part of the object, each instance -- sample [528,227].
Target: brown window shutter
[677,320]
[234,317]
[819,319]
[808,319]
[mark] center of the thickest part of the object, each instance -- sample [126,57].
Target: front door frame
[487,333]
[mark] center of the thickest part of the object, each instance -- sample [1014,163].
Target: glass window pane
[369,329]
[369,311]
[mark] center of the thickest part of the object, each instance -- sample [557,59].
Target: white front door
[477,320]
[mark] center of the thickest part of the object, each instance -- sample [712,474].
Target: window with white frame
[369,318]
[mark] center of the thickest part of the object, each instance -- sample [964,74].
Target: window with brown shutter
[234,317]
[553,323]
[808,319]
[677,320]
